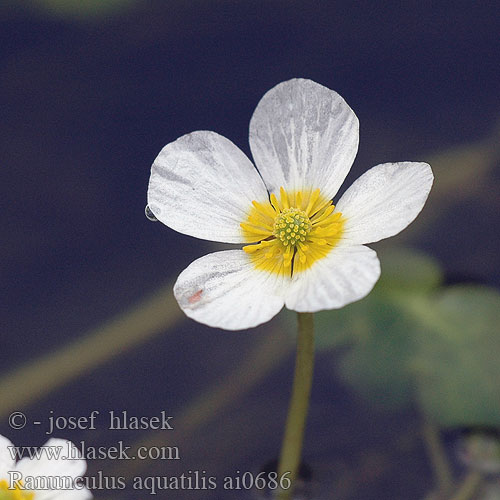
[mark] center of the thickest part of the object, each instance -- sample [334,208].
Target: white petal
[63,465]
[303,135]
[345,275]
[58,468]
[6,461]
[203,185]
[384,200]
[224,290]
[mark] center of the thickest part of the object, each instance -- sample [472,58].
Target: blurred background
[91,90]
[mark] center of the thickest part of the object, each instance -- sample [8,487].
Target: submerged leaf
[409,270]
[412,340]
[458,367]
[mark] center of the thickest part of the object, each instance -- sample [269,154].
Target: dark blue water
[85,107]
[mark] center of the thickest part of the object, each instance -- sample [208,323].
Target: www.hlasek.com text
[69,451]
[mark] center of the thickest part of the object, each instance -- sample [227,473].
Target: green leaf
[406,269]
[379,330]
[377,366]
[404,272]
[457,363]
[411,340]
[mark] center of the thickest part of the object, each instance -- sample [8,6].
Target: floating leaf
[404,272]
[412,340]
[379,330]
[405,269]
[377,366]
[458,358]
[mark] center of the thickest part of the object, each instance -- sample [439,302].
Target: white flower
[42,478]
[302,252]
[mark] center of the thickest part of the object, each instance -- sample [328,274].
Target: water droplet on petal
[149,214]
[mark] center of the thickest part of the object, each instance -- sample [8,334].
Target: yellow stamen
[312,200]
[275,203]
[284,199]
[291,233]
[265,209]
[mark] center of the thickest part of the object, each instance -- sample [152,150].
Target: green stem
[439,460]
[469,486]
[299,404]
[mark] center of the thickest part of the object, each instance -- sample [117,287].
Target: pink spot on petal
[196,297]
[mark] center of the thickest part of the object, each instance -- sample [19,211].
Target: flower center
[14,493]
[293,232]
[291,226]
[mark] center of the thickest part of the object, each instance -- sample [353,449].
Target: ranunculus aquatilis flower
[300,250]
[53,475]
